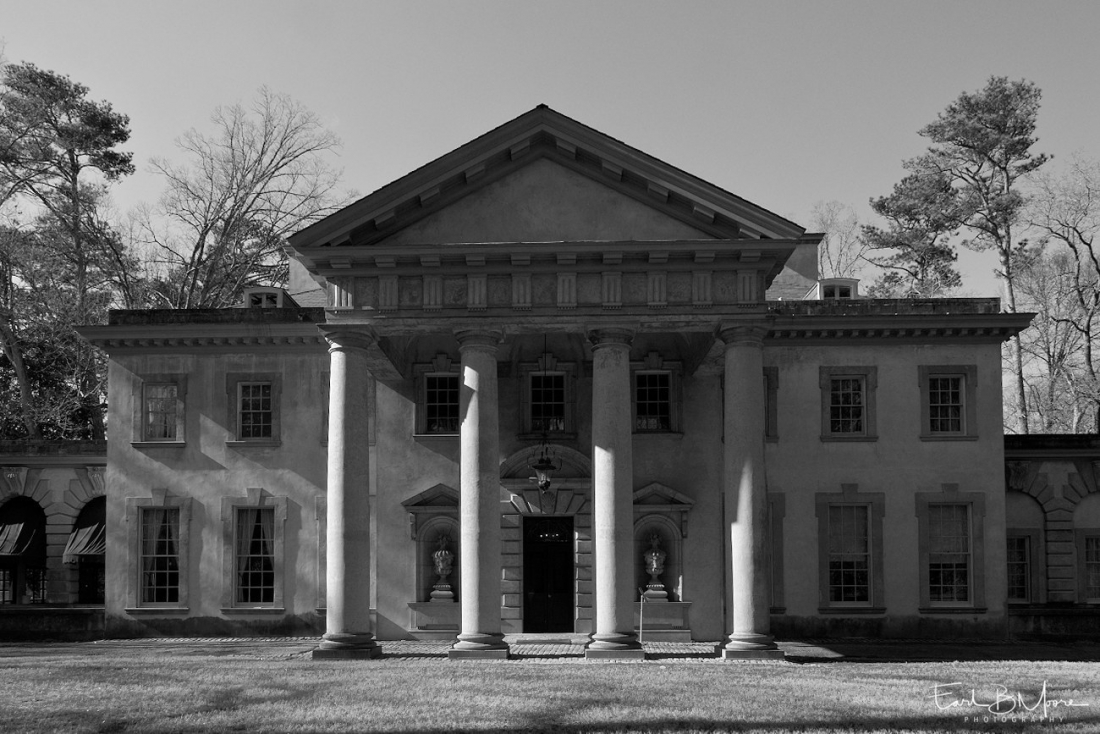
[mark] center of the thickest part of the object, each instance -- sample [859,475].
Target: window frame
[548,365]
[255,499]
[141,437]
[1036,566]
[1081,538]
[233,383]
[441,366]
[975,504]
[135,508]
[868,377]
[968,373]
[654,364]
[875,504]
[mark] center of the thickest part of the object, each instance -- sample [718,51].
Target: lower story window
[255,551]
[1019,569]
[849,555]
[949,554]
[160,568]
[1092,568]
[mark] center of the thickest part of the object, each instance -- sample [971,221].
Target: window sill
[849,439]
[952,610]
[422,436]
[158,444]
[851,610]
[946,437]
[164,611]
[551,436]
[675,434]
[253,610]
[254,443]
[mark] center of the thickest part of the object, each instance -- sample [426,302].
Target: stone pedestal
[745,494]
[479,500]
[612,498]
[348,631]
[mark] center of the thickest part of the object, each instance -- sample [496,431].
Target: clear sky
[784,103]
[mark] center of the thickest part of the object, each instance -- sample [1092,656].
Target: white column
[479,499]
[746,494]
[613,497]
[347,618]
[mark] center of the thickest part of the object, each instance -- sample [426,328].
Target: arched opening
[85,550]
[22,552]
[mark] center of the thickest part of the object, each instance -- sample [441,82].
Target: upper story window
[657,399]
[161,411]
[267,298]
[848,403]
[835,289]
[948,401]
[254,411]
[437,404]
[548,397]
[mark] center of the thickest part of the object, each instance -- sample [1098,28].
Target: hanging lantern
[545,467]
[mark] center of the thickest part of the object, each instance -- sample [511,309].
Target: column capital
[343,339]
[743,334]
[480,340]
[608,336]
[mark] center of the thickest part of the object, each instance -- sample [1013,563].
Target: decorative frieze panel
[476,291]
[612,292]
[657,284]
[433,292]
[521,291]
[748,286]
[701,291]
[567,290]
[342,292]
[388,293]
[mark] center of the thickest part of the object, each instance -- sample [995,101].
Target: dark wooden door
[548,574]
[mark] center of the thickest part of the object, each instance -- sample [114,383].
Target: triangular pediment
[432,498]
[659,494]
[543,177]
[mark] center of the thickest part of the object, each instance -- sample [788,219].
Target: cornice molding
[188,337]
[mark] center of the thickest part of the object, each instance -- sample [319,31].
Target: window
[850,550]
[160,555]
[253,543]
[951,550]
[159,409]
[255,553]
[1092,568]
[652,401]
[1019,568]
[254,408]
[547,402]
[838,291]
[440,403]
[948,404]
[949,561]
[771,403]
[22,552]
[849,554]
[848,403]
[547,396]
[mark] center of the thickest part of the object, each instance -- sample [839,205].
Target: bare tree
[226,212]
[840,254]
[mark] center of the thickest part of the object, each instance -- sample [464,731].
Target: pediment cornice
[540,134]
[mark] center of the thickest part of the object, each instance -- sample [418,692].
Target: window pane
[949,553]
[160,412]
[255,551]
[255,410]
[653,401]
[1019,568]
[849,554]
[441,403]
[846,405]
[1092,568]
[945,404]
[547,402]
[160,573]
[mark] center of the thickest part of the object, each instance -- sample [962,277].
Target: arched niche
[571,484]
[669,540]
[1087,512]
[85,550]
[1023,511]
[427,543]
[662,512]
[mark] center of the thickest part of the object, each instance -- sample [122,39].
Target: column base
[347,646]
[750,646]
[614,646]
[479,646]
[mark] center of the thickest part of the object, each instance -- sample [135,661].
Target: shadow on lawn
[877,651]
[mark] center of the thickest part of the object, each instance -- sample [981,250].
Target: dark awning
[86,541]
[15,538]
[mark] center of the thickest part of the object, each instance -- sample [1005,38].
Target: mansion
[548,383]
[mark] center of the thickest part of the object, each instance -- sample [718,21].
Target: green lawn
[185,691]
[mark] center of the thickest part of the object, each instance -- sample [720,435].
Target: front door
[548,574]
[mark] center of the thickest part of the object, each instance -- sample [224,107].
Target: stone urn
[444,565]
[655,566]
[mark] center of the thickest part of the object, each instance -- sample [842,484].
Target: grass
[181,690]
